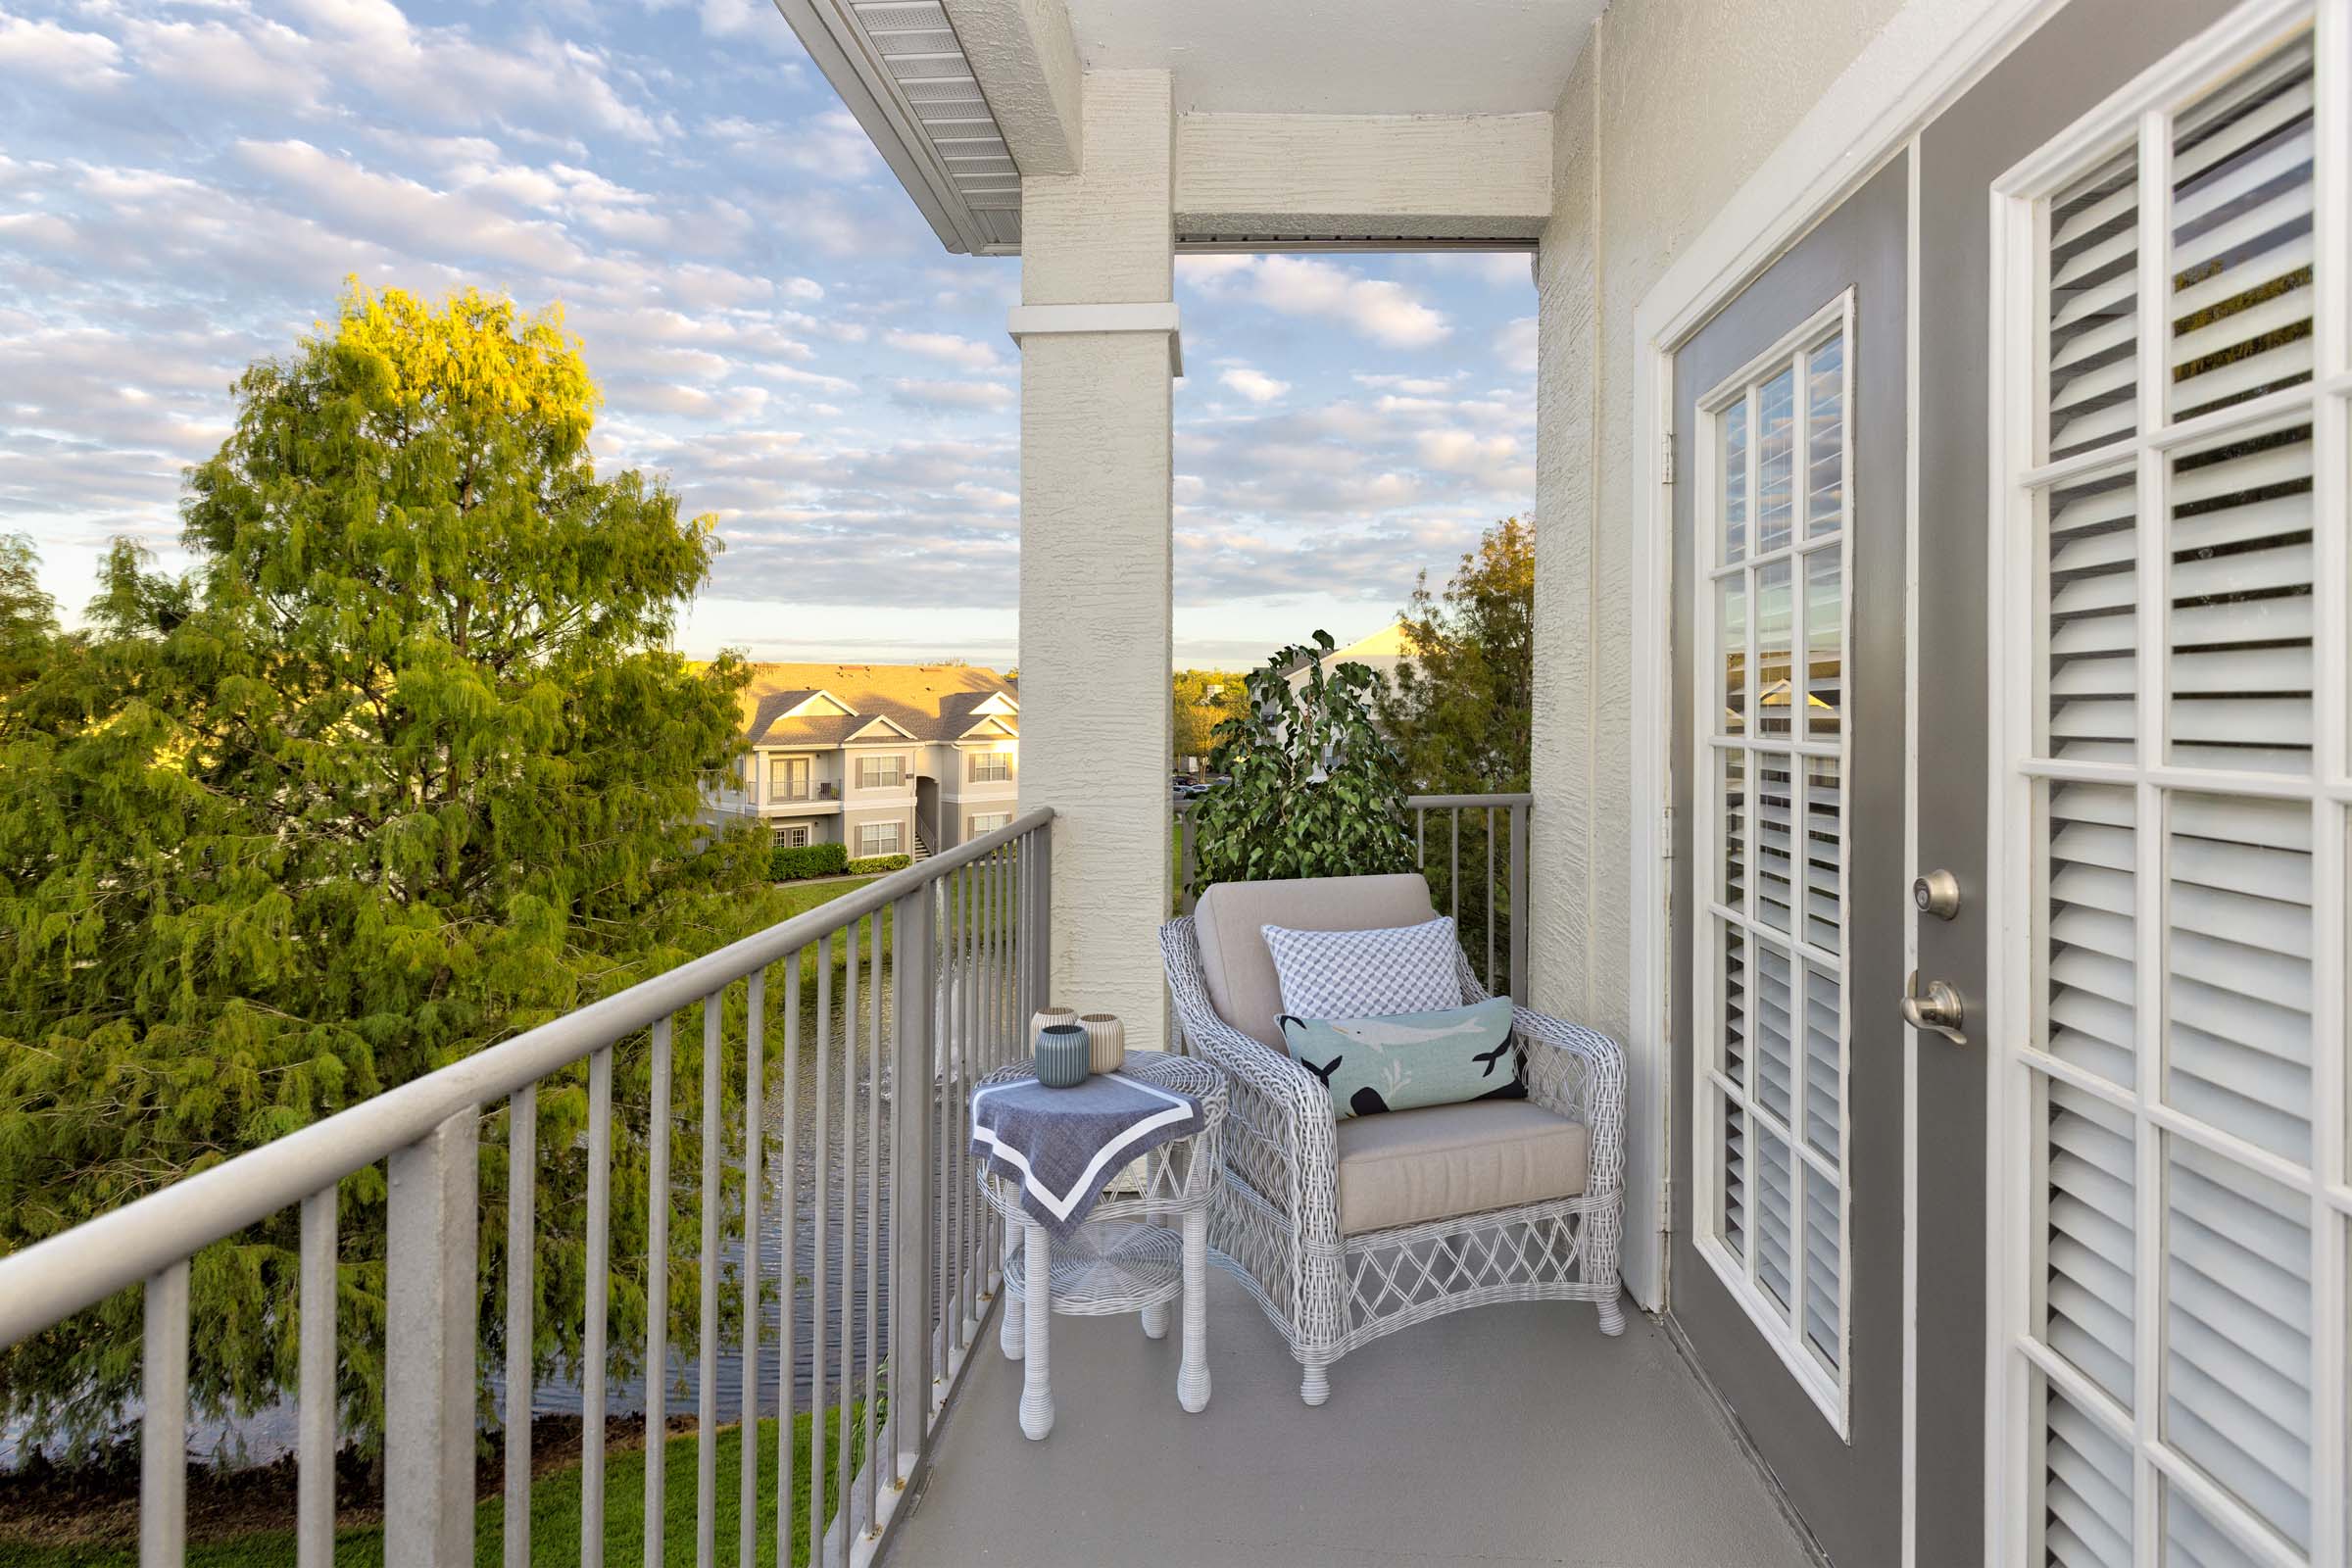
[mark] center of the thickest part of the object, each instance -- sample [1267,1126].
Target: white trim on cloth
[1062,1203]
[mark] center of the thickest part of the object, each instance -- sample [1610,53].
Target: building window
[882,772]
[989,821]
[879,837]
[793,837]
[988,768]
[788,778]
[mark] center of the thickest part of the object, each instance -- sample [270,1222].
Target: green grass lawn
[555,1515]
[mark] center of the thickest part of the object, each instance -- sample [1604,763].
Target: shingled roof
[930,701]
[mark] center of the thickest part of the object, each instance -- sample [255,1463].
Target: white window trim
[1831,1391]
[906,768]
[898,831]
[2018,309]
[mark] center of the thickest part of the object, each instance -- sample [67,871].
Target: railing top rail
[1440,803]
[55,1278]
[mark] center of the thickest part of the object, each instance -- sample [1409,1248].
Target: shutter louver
[1821,1267]
[2095,620]
[1824,1093]
[1774,1032]
[1776,849]
[2095,299]
[1735,1179]
[2241,260]
[2089,1236]
[1775,1217]
[2241,592]
[2086,1494]
[1825,853]
[2237,1334]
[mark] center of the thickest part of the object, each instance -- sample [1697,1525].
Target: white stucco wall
[1672,106]
[1097,471]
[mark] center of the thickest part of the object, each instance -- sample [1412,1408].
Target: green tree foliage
[1462,706]
[1461,710]
[28,621]
[400,767]
[1316,789]
[1203,700]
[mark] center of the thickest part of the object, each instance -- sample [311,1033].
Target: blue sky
[185,185]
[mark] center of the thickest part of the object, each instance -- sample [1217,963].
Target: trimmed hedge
[790,863]
[876,864]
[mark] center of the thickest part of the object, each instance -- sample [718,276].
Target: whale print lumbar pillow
[1401,1060]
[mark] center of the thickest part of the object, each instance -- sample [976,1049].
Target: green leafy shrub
[1316,789]
[876,864]
[790,863]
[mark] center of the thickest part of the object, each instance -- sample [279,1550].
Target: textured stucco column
[1096,572]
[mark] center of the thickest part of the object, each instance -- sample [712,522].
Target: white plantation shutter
[2187,1042]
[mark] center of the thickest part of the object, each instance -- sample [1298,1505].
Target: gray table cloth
[1061,1146]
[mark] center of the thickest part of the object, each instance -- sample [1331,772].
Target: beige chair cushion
[1441,1162]
[1234,960]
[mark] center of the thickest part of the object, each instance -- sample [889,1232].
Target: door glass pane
[1733,464]
[1776,462]
[1732,889]
[2087,1229]
[1821,1267]
[1731,638]
[1731,1213]
[1825,1091]
[2086,1489]
[1773,999]
[1775,1217]
[1737,1008]
[2237,1364]
[1825,853]
[1825,636]
[2241,260]
[2241,586]
[1775,847]
[2095,297]
[2238,992]
[1775,617]
[2088,939]
[1825,438]
[2094,623]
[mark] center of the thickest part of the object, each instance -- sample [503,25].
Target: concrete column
[1095,551]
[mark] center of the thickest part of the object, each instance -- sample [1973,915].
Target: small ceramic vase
[1062,1056]
[1106,1041]
[1046,1017]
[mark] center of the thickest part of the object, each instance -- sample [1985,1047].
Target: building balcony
[1507,1432]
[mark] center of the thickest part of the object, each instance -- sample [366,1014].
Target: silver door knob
[1939,1008]
[1936,894]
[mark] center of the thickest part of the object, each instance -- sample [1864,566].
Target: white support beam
[1364,178]
[1024,56]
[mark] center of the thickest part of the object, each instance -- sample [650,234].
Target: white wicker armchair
[1275,1219]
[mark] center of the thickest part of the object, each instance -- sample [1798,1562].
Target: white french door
[2170,823]
[1775,552]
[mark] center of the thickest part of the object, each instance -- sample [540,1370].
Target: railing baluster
[912,1210]
[314,1391]
[943,1069]
[599,1287]
[873,1204]
[707,1330]
[1421,838]
[843,1455]
[1519,931]
[432,1314]
[164,1423]
[1453,872]
[522,1200]
[1490,901]
[817,1259]
[788,1173]
[747,1507]
[657,1296]
[967,1025]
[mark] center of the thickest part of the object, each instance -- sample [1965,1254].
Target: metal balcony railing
[903,1259]
[1491,914]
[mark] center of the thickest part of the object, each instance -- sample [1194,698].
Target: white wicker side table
[1126,1257]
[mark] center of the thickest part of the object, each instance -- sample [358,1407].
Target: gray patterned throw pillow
[1364,975]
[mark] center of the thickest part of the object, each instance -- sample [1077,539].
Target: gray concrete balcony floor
[1508,1434]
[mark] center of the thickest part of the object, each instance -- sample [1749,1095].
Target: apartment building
[884,759]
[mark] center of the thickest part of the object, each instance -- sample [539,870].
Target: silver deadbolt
[1939,1010]
[1936,894]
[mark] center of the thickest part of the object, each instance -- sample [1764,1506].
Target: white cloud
[1515,344]
[1255,385]
[1382,310]
[59,54]
[1464,451]
[961,352]
[951,394]
[830,144]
